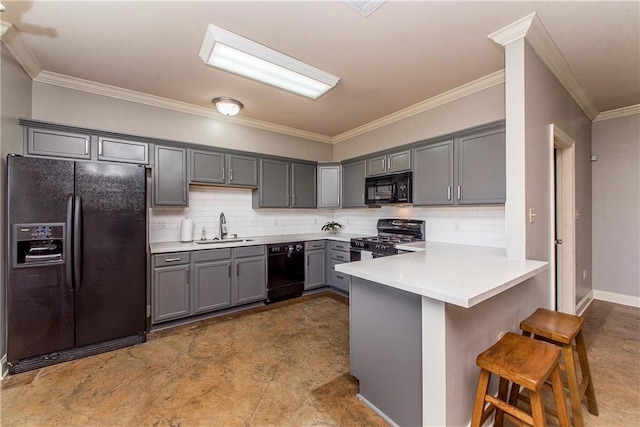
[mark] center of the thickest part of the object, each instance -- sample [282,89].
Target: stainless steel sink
[217,242]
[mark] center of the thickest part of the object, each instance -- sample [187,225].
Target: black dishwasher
[285,271]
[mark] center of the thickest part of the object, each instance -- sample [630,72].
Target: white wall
[72,107]
[479,108]
[15,96]
[616,209]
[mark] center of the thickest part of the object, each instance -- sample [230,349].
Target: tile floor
[286,364]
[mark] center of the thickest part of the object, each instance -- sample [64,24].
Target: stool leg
[572,379]
[478,406]
[558,394]
[586,374]
[537,409]
[502,395]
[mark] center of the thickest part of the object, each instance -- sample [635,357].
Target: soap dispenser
[203,236]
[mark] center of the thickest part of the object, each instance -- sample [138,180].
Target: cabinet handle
[288,197]
[172,259]
[384,164]
[186,275]
[237,269]
[229,271]
[339,277]
[230,174]
[390,163]
[459,191]
[99,149]
[449,193]
[307,259]
[223,174]
[293,200]
[86,146]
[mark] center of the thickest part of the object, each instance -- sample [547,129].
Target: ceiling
[404,53]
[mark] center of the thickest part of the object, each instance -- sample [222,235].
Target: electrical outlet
[584,274]
[532,215]
[456,225]
[162,225]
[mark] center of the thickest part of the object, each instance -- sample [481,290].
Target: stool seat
[519,361]
[552,325]
[512,359]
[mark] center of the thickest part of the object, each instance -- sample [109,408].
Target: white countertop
[457,274]
[164,247]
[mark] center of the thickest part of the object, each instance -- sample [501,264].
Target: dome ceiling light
[227,106]
[238,55]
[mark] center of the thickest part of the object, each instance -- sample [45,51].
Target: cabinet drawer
[212,255]
[340,280]
[335,262]
[249,251]
[340,256]
[171,259]
[340,246]
[314,244]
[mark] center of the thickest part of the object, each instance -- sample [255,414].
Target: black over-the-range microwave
[388,189]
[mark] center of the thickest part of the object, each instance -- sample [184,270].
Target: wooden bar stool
[562,329]
[523,362]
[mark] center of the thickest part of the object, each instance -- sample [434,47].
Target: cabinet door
[251,279]
[377,166]
[207,167]
[353,177]
[481,168]
[119,150]
[329,186]
[303,184]
[433,174]
[170,293]
[243,170]
[212,285]
[44,142]
[315,269]
[274,184]
[399,162]
[170,177]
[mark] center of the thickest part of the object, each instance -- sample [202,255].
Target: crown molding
[618,113]
[61,80]
[11,38]
[535,33]
[467,89]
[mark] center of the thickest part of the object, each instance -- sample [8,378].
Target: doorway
[563,247]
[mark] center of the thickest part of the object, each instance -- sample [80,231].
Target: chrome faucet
[223,226]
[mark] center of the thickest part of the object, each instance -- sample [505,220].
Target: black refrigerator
[76,282]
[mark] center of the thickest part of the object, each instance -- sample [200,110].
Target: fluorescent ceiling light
[364,7]
[227,106]
[236,54]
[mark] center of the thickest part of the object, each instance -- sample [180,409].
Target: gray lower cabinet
[329,180]
[353,179]
[170,177]
[250,265]
[123,151]
[340,252]
[315,264]
[170,287]
[481,168]
[55,143]
[212,288]
[285,184]
[433,174]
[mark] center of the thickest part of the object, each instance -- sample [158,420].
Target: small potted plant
[332,227]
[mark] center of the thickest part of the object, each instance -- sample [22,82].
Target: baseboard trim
[617,298]
[4,371]
[584,303]
[376,410]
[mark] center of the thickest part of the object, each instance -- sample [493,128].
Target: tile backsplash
[482,226]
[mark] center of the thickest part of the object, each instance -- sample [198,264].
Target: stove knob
[298,247]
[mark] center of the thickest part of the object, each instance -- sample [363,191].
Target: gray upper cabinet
[433,174]
[55,143]
[389,163]
[170,177]
[123,151]
[353,178]
[283,184]
[481,168]
[329,186]
[243,170]
[207,167]
[303,183]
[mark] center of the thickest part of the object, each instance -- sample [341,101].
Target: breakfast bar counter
[418,321]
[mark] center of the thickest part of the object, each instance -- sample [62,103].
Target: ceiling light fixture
[227,106]
[2,8]
[236,54]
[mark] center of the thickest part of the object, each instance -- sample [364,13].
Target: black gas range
[391,232]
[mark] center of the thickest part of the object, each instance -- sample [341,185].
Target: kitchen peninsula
[418,321]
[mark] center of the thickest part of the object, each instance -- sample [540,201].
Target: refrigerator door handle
[77,242]
[68,245]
